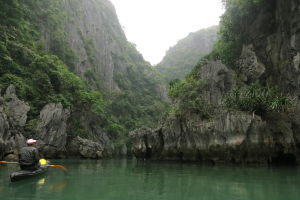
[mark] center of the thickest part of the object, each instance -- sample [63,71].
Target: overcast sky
[156,25]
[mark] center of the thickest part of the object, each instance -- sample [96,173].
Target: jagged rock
[91,123]
[85,148]
[13,116]
[269,57]
[218,80]
[98,26]
[251,69]
[145,142]
[15,109]
[4,125]
[232,137]
[51,129]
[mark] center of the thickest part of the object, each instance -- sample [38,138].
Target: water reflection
[41,181]
[127,180]
[57,187]
[180,181]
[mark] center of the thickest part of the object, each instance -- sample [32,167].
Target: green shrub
[258,99]
[187,97]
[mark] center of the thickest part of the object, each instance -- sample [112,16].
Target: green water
[129,180]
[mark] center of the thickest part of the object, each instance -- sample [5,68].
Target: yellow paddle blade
[43,161]
[2,162]
[59,166]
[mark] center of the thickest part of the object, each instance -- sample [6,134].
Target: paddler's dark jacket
[29,156]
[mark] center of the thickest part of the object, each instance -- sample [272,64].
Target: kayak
[24,174]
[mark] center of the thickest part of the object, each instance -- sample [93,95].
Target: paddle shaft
[6,162]
[58,166]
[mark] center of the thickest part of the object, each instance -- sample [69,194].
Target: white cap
[30,141]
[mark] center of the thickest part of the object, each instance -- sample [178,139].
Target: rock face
[84,148]
[54,141]
[218,80]
[95,37]
[13,115]
[92,37]
[236,137]
[15,109]
[88,38]
[51,129]
[146,143]
[94,132]
[271,58]
[251,69]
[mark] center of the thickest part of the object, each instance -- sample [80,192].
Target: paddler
[29,156]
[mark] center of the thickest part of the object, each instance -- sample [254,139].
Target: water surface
[131,180]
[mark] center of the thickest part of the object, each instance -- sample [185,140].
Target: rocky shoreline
[50,131]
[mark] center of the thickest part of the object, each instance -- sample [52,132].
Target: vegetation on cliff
[187,98]
[258,99]
[234,29]
[136,104]
[41,69]
[39,77]
[233,34]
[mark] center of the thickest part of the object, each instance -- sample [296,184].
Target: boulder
[84,148]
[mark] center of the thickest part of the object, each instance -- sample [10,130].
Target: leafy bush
[187,97]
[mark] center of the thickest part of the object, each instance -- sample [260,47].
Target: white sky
[156,25]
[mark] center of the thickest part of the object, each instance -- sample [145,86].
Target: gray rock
[232,137]
[13,116]
[15,109]
[51,129]
[85,148]
[5,132]
[272,58]
[251,69]
[98,27]
[146,143]
[218,79]
[91,123]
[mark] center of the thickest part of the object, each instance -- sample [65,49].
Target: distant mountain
[181,58]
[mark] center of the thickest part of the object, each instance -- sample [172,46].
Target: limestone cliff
[263,49]
[94,34]
[50,132]
[82,82]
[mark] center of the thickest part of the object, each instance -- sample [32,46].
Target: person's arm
[36,155]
